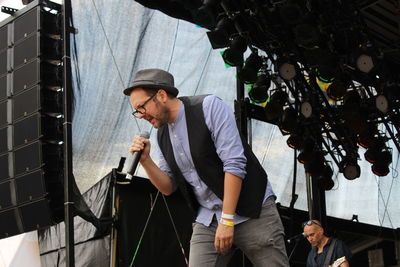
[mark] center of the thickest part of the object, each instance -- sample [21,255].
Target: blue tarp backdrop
[118,38]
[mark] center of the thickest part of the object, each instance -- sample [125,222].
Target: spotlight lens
[351,172]
[306,109]
[365,63]
[336,90]
[287,71]
[382,103]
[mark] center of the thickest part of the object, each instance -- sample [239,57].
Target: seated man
[326,251]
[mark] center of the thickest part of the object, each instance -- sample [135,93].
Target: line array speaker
[31,119]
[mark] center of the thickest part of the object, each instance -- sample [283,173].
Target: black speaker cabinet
[3,37]
[3,62]
[3,87]
[3,140]
[3,113]
[31,134]
[4,171]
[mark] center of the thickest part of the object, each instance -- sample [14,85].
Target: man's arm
[225,135]
[224,234]
[161,180]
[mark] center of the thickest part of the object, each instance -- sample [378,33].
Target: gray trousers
[262,240]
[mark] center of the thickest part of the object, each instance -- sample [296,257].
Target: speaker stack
[31,119]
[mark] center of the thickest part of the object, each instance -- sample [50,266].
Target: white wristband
[227,216]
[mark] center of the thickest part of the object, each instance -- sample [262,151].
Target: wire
[176,232]
[144,230]
[173,46]
[202,71]
[267,147]
[385,203]
[112,54]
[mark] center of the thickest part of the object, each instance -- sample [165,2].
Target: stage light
[306,109]
[324,181]
[295,141]
[219,37]
[233,56]
[351,170]
[248,74]
[306,155]
[387,100]
[354,114]
[325,73]
[365,63]
[316,165]
[367,138]
[287,70]
[288,121]
[372,154]
[274,108]
[382,162]
[382,103]
[259,91]
[336,90]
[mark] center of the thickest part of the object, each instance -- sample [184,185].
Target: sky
[14,4]
[9,3]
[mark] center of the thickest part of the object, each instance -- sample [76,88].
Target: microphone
[296,237]
[136,158]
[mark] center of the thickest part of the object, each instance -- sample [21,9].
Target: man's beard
[162,117]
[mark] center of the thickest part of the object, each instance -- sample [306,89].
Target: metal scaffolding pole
[67,128]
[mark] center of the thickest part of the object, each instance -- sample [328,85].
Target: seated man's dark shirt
[317,260]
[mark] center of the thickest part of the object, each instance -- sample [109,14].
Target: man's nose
[140,115]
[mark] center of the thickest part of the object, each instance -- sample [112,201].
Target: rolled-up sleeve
[225,134]
[163,165]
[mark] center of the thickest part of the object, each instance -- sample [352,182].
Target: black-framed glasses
[311,222]
[141,110]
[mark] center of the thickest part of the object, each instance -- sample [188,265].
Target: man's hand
[223,238]
[140,143]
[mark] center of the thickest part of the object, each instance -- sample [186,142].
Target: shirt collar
[179,117]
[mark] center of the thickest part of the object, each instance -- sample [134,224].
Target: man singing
[203,155]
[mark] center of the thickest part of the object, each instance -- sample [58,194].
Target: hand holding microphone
[140,145]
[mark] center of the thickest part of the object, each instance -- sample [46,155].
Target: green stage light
[258,93]
[233,56]
[250,70]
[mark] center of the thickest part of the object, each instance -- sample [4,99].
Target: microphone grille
[145,134]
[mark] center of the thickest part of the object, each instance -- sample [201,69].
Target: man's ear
[163,96]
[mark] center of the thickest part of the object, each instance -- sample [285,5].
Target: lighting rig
[318,71]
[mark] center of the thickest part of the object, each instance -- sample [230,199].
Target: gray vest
[209,166]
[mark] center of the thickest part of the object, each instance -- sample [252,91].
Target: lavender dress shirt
[220,121]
